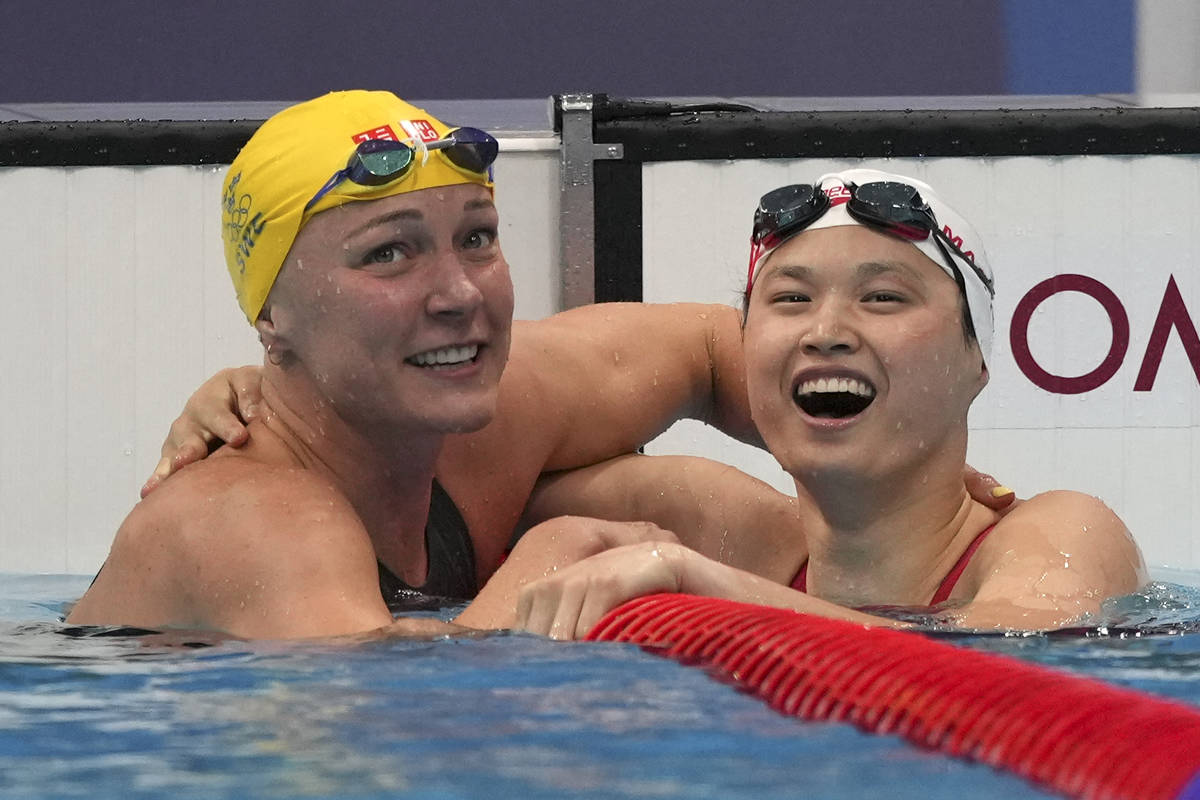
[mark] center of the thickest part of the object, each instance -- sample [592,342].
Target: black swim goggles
[891,206]
[376,162]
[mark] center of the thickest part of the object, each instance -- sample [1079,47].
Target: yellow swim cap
[292,155]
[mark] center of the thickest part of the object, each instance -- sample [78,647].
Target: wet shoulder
[1061,530]
[237,491]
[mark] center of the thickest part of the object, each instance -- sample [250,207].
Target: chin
[468,419]
[470,425]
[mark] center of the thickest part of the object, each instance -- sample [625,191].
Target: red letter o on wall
[1018,334]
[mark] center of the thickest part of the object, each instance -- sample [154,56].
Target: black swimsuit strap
[450,553]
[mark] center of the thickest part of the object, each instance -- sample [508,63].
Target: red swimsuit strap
[800,582]
[943,592]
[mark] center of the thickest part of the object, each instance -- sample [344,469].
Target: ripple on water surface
[497,716]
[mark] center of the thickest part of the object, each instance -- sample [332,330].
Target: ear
[982,379]
[274,343]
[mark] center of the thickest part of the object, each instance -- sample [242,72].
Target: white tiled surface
[1129,222]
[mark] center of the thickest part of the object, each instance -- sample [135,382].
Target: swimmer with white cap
[867,332]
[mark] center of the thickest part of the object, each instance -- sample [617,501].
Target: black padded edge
[875,134]
[682,136]
[117,143]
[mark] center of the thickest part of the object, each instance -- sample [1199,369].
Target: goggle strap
[944,242]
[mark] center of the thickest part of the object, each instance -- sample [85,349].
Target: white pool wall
[116,305]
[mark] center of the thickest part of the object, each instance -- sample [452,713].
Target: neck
[887,539]
[385,471]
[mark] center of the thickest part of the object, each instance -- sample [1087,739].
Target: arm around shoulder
[713,508]
[610,377]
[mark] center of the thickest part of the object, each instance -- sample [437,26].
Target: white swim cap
[967,251]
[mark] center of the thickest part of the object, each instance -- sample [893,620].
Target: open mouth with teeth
[834,398]
[445,358]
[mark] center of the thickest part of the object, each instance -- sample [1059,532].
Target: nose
[830,330]
[455,293]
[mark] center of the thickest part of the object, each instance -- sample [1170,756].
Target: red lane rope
[1076,736]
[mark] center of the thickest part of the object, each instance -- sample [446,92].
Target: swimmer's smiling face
[400,309]
[855,354]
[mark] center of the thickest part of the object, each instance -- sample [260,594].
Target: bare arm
[545,549]
[713,508]
[608,378]
[582,386]
[569,604]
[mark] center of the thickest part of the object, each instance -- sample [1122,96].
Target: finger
[986,489]
[190,451]
[246,384]
[566,616]
[597,604]
[540,602]
[229,428]
[653,533]
[1002,497]
[524,608]
[161,470]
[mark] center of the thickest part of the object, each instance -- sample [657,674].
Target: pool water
[503,715]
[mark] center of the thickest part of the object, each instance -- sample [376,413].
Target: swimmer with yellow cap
[362,239]
[338,148]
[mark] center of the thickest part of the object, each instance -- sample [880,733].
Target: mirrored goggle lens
[896,206]
[471,149]
[379,161]
[787,207]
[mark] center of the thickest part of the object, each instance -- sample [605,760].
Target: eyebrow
[870,269]
[867,269]
[414,215]
[403,214]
